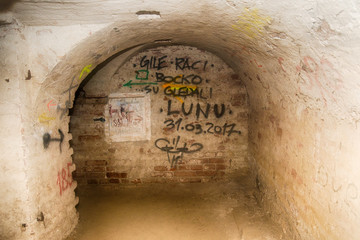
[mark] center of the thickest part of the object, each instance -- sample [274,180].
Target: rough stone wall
[198,120]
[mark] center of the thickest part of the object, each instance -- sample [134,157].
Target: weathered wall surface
[303,131]
[298,60]
[315,192]
[38,200]
[197,120]
[14,190]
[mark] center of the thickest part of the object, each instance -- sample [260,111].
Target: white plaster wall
[14,190]
[299,61]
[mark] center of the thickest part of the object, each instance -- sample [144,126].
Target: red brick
[96,163]
[92,181]
[194,162]
[103,181]
[78,174]
[95,175]
[110,169]
[114,180]
[95,169]
[169,174]
[79,163]
[185,174]
[136,181]
[195,180]
[220,167]
[184,180]
[158,174]
[89,137]
[123,175]
[209,166]
[196,167]
[216,160]
[206,173]
[125,181]
[205,160]
[88,109]
[160,168]
[189,180]
[93,100]
[183,167]
[113,175]
[81,181]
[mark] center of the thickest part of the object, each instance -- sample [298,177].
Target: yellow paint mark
[177,87]
[251,23]
[43,118]
[180,99]
[85,69]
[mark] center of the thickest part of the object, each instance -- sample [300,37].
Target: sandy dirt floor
[224,210]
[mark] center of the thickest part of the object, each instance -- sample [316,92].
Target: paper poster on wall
[128,117]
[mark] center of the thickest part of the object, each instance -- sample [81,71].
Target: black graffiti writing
[153,62]
[197,128]
[200,93]
[171,124]
[68,101]
[179,79]
[226,129]
[163,145]
[200,111]
[101,119]
[205,64]
[149,89]
[181,63]
[47,139]
[184,63]
[172,148]
[187,92]
[179,92]
[218,113]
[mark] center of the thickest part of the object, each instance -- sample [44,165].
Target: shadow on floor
[224,210]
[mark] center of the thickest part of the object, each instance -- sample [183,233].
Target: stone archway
[56,96]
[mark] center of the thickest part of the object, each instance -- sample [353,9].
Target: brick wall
[206,130]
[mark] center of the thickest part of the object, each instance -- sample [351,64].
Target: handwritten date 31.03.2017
[197,128]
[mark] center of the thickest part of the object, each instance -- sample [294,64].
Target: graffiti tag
[47,139]
[174,151]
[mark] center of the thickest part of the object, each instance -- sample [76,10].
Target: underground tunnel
[154,119]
